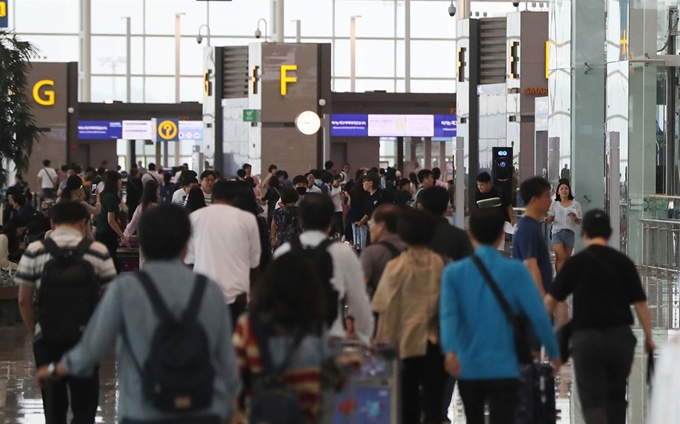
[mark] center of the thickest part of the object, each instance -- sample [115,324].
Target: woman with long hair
[108,229]
[415,184]
[195,200]
[565,215]
[150,197]
[286,315]
[272,196]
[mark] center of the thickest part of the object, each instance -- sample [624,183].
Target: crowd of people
[250,288]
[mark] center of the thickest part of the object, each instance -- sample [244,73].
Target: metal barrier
[661,243]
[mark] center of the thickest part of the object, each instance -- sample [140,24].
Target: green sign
[251,115]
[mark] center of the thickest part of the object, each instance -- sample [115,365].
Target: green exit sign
[251,115]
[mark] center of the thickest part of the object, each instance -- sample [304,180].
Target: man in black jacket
[449,241]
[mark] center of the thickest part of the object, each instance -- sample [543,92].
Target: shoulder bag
[521,344]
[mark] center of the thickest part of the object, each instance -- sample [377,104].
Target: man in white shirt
[47,179]
[225,245]
[179,197]
[316,212]
[152,174]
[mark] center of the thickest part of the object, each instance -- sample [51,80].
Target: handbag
[521,345]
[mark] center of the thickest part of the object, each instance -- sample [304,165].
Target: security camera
[258,33]
[515,4]
[452,10]
[199,38]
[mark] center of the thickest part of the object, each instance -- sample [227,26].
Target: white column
[178,34]
[463,11]
[407,46]
[128,61]
[353,52]
[460,183]
[298,30]
[280,16]
[614,193]
[276,8]
[207,22]
[85,50]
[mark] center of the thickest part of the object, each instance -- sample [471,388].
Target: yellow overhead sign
[285,79]
[47,97]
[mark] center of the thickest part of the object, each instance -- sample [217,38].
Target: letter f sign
[285,79]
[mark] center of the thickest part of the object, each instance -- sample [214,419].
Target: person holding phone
[565,215]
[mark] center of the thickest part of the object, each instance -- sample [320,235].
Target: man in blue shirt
[529,243]
[476,336]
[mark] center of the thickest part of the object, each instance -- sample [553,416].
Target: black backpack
[178,375]
[322,262]
[272,402]
[68,293]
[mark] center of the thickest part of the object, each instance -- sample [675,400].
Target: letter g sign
[49,97]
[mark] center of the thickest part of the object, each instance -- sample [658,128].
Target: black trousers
[602,362]
[110,240]
[84,391]
[501,395]
[427,372]
[237,309]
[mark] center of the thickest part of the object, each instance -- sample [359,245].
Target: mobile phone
[571,214]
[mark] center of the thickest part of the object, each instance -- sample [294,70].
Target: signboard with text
[99,130]
[349,125]
[356,125]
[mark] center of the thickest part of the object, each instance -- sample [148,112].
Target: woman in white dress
[565,215]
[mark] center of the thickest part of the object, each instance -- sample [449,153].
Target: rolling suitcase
[536,395]
[371,395]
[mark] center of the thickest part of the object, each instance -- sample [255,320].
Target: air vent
[235,72]
[492,39]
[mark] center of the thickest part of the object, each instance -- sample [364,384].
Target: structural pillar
[85,50]
[588,80]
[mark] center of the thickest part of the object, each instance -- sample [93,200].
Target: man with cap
[604,283]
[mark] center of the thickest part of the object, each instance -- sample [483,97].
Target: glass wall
[53,26]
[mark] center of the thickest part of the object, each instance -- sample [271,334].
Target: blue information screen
[349,125]
[100,130]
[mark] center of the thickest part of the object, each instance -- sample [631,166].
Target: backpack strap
[155,297]
[82,247]
[191,311]
[51,247]
[324,245]
[392,248]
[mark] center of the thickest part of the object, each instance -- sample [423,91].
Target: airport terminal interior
[586,92]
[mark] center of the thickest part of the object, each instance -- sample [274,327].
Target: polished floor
[20,400]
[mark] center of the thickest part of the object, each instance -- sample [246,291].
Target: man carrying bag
[480,300]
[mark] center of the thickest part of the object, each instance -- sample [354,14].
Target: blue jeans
[360,235]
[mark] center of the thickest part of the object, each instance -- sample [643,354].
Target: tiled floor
[20,396]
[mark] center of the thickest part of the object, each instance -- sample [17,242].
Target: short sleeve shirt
[529,243]
[110,203]
[604,283]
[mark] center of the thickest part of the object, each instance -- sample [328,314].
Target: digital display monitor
[353,125]
[100,130]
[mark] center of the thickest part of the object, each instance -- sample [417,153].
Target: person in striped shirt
[70,220]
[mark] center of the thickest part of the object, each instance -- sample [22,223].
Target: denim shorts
[567,238]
